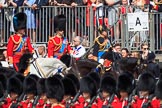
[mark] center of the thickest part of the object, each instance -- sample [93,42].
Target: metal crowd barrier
[83,21]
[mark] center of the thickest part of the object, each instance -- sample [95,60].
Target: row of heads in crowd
[56,87]
[80,2]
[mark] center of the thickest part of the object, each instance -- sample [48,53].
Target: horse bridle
[35,66]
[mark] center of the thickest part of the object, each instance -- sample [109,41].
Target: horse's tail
[24,62]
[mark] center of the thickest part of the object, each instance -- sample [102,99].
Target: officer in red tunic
[146,86]
[19,43]
[14,89]
[54,91]
[58,45]
[108,98]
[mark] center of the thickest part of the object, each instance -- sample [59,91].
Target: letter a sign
[138,21]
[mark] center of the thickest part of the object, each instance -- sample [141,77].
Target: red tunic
[81,103]
[40,103]
[124,102]
[9,103]
[54,45]
[14,49]
[27,103]
[155,103]
[100,102]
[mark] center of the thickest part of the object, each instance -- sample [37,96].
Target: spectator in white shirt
[77,49]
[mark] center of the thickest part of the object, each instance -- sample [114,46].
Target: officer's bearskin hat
[3,80]
[158,90]
[108,84]
[96,77]
[41,86]
[75,80]
[14,85]
[60,23]
[87,84]
[54,88]
[125,83]
[1,90]
[19,21]
[146,82]
[30,85]
[85,66]
[69,87]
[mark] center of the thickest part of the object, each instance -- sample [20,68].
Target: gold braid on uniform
[18,42]
[58,45]
[101,45]
[102,72]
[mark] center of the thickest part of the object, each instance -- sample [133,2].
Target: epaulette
[101,45]
[16,42]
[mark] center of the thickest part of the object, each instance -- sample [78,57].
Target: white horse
[46,67]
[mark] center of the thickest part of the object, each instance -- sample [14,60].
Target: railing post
[123,30]
[126,32]
[91,26]
[152,32]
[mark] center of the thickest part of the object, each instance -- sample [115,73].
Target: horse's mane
[24,62]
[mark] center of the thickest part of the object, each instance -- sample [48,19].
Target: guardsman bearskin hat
[87,84]
[108,84]
[1,90]
[75,80]
[58,76]
[35,77]
[158,90]
[69,87]
[126,82]
[54,88]
[96,77]
[14,86]
[59,23]
[146,82]
[19,76]
[3,80]
[41,86]
[19,21]
[7,72]
[30,85]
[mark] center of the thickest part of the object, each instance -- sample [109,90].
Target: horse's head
[66,59]
[24,62]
